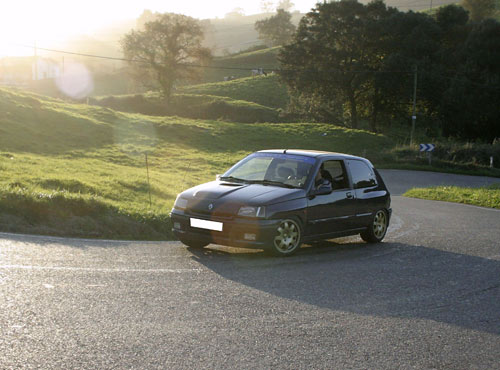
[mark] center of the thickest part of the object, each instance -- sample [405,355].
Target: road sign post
[414,114]
[429,148]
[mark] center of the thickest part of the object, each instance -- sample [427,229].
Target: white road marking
[397,224]
[93,269]
[56,239]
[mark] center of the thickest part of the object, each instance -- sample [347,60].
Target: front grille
[212,209]
[212,216]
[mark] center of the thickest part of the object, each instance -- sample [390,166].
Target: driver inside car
[323,177]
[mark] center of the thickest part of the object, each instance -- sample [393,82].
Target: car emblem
[210,206]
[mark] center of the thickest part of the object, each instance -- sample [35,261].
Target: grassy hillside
[233,34]
[78,170]
[263,90]
[433,11]
[198,106]
[241,65]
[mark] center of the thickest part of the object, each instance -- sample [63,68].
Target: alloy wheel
[380,224]
[288,238]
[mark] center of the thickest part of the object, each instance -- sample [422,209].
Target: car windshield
[272,169]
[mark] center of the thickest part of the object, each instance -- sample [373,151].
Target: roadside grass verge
[440,166]
[62,213]
[448,156]
[483,197]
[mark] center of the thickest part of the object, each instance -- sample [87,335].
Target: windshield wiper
[231,178]
[271,182]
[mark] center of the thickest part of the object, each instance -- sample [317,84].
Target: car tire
[378,227]
[194,243]
[287,239]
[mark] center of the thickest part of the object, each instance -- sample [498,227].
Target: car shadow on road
[385,280]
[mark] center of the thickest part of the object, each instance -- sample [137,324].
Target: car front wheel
[287,238]
[377,229]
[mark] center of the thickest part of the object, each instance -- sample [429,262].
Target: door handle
[349,195]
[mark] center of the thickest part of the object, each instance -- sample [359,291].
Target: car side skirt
[339,234]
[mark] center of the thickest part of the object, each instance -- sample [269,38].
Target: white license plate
[204,224]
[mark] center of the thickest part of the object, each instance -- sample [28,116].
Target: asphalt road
[428,297]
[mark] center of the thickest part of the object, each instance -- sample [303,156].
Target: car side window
[337,174]
[362,175]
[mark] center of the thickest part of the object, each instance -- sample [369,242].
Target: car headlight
[180,203]
[248,211]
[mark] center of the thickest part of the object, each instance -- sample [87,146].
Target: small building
[23,71]
[45,68]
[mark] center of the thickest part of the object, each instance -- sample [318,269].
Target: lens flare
[76,81]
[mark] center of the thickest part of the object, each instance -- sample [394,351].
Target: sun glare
[24,22]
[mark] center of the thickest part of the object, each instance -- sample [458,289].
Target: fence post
[149,185]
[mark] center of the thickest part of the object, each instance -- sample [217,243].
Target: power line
[277,70]
[82,54]
[199,65]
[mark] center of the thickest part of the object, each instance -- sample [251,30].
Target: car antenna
[284,151]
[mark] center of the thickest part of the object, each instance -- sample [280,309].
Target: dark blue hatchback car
[278,199]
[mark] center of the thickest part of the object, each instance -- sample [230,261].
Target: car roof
[312,153]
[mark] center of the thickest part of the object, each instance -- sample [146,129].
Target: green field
[246,100]
[78,170]
[196,106]
[483,197]
[263,90]
[245,62]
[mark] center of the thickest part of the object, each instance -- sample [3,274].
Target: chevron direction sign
[427,147]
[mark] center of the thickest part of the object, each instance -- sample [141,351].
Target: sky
[24,22]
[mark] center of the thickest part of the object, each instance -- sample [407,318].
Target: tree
[286,5]
[414,42]
[479,9]
[350,61]
[276,30]
[336,47]
[162,53]
[146,16]
[266,6]
[470,105]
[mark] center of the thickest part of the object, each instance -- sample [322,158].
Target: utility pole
[414,114]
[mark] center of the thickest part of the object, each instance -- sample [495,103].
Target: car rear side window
[362,175]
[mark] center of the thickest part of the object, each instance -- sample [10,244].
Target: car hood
[242,194]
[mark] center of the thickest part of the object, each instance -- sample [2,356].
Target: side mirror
[325,188]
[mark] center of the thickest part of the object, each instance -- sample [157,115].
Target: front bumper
[233,230]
